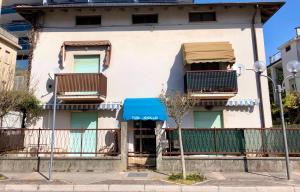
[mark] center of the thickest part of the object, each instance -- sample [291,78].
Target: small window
[7,58]
[145,18]
[88,20]
[202,16]
[288,48]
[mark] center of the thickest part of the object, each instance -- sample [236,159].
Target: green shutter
[208,119]
[86,63]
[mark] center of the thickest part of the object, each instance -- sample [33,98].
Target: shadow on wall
[175,80]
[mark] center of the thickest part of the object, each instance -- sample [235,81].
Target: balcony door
[83,134]
[87,64]
[208,119]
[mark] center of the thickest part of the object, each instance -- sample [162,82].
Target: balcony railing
[211,82]
[81,84]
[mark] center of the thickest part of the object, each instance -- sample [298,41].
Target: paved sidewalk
[149,181]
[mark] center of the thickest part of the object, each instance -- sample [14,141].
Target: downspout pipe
[256,58]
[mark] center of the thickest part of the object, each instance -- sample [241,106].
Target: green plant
[177,106]
[292,101]
[29,106]
[190,178]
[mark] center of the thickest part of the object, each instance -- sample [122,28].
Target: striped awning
[229,103]
[103,106]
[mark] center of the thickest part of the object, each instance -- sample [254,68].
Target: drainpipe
[258,80]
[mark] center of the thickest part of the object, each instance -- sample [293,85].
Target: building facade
[8,53]
[19,27]
[111,61]
[289,51]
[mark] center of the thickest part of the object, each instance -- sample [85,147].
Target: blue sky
[280,28]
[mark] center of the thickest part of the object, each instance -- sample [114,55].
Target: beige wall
[8,56]
[146,58]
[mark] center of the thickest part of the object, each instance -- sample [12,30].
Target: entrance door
[144,144]
[83,136]
[144,137]
[210,119]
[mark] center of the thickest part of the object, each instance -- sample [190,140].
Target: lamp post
[293,67]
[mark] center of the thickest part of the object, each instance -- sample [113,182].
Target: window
[24,43]
[293,85]
[145,18]
[88,20]
[288,48]
[202,16]
[7,58]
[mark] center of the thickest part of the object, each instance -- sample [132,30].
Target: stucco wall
[293,54]
[147,58]
[7,69]
[231,164]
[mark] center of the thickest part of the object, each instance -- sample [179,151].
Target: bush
[190,178]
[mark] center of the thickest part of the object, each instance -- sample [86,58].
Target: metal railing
[108,1]
[276,57]
[82,82]
[211,81]
[229,141]
[68,142]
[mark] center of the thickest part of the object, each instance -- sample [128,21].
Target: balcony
[211,84]
[75,87]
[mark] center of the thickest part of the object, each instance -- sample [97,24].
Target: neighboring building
[289,51]
[114,59]
[8,53]
[18,26]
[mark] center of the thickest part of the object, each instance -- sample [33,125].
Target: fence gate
[142,145]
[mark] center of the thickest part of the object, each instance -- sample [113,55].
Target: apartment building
[288,51]
[19,27]
[110,62]
[8,53]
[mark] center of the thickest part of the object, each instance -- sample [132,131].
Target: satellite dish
[239,68]
[54,71]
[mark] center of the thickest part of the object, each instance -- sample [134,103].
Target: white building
[134,50]
[289,51]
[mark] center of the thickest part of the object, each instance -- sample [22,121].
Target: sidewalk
[149,181]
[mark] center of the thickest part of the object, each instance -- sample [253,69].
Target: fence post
[263,140]
[81,142]
[96,142]
[38,145]
[124,145]
[158,134]
[215,141]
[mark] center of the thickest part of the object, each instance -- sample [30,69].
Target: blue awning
[144,109]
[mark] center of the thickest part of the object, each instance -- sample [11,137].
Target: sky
[280,28]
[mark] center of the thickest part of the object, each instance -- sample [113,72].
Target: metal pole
[53,129]
[287,161]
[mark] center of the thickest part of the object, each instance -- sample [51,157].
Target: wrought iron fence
[68,142]
[229,141]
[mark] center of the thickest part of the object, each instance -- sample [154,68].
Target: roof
[268,7]
[9,38]
[289,42]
